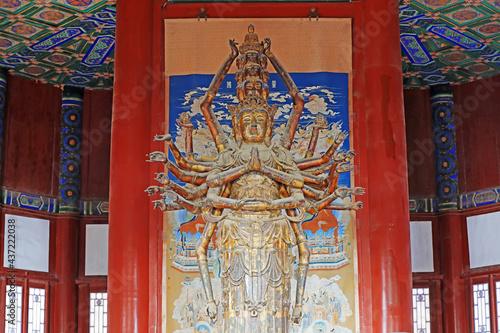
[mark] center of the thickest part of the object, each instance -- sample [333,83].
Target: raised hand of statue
[358,191]
[234,48]
[159,204]
[349,155]
[357,205]
[162,178]
[159,137]
[157,156]
[152,190]
[211,310]
[267,48]
[344,167]
[170,197]
[341,136]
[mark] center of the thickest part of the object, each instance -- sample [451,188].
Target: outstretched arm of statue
[313,207]
[189,192]
[298,100]
[291,179]
[319,180]
[313,193]
[201,254]
[170,197]
[312,162]
[335,172]
[214,126]
[186,176]
[166,207]
[296,200]
[216,198]
[152,190]
[347,206]
[217,178]
[180,159]
[320,169]
[304,255]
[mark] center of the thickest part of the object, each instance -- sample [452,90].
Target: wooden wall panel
[32,131]
[96,141]
[477,118]
[420,149]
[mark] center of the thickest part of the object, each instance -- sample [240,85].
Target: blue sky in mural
[324,92]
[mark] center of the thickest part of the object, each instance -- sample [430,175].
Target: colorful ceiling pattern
[449,41]
[71,42]
[59,42]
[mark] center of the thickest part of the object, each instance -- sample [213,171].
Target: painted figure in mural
[255,194]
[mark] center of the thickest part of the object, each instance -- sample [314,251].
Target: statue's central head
[253,125]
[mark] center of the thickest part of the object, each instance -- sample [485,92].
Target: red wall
[32,133]
[32,130]
[477,118]
[32,140]
[96,138]
[420,149]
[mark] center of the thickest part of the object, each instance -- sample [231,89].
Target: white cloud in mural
[278,97]
[316,104]
[329,95]
[231,97]
[188,96]
[305,91]
[195,106]
[283,111]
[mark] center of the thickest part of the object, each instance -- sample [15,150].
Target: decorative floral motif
[52,15]
[10,3]
[79,3]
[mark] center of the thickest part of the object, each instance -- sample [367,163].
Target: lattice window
[498,304]
[36,310]
[98,313]
[14,309]
[481,299]
[421,311]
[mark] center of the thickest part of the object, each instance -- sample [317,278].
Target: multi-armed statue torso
[256,194]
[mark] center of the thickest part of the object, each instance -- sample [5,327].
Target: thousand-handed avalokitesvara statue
[256,194]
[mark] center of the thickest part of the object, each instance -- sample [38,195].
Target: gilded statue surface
[255,194]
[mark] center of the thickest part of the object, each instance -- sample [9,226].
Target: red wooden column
[386,281]
[64,309]
[128,270]
[454,290]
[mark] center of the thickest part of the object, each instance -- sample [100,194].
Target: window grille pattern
[481,299]
[421,311]
[36,310]
[14,309]
[98,313]
[498,304]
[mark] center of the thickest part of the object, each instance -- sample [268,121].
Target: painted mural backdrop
[329,300]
